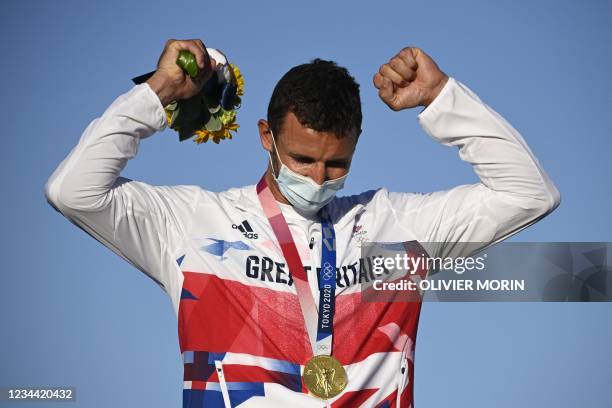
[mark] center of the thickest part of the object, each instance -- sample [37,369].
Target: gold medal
[324,376]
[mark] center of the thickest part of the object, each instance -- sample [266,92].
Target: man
[249,270]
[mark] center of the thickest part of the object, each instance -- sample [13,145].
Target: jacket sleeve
[514,190]
[143,224]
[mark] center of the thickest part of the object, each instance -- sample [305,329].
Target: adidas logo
[246,229]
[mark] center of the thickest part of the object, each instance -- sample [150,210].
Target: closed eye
[341,164]
[303,159]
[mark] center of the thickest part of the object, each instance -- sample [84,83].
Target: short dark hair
[322,95]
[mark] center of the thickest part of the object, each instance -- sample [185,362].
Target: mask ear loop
[270,157]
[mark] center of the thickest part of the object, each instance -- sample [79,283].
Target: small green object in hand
[187,61]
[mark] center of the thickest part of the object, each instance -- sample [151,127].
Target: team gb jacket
[241,332]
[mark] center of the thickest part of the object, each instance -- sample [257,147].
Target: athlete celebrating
[266,279]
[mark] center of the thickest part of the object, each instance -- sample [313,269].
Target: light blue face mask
[301,191]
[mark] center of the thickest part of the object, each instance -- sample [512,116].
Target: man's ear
[265,134]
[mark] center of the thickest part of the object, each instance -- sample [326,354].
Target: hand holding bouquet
[199,88]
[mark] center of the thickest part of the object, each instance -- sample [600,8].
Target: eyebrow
[302,157]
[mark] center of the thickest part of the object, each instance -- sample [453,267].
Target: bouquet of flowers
[210,114]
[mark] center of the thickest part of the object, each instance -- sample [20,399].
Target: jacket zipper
[223,384]
[402,375]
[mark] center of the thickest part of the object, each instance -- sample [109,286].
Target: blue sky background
[73,313]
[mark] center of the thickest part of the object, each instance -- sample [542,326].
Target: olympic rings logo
[328,271]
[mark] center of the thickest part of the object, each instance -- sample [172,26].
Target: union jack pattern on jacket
[240,326]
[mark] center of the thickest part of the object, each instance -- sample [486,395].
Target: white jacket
[215,254]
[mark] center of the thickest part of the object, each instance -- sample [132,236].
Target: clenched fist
[409,79]
[170,82]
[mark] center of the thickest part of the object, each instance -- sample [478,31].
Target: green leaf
[213,124]
[187,61]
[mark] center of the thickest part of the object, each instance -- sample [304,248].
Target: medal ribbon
[320,331]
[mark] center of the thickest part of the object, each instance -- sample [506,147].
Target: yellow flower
[203,135]
[227,117]
[239,80]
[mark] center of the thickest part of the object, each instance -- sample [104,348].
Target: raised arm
[514,190]
[144,224]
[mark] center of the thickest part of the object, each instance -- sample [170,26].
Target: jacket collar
[247,201]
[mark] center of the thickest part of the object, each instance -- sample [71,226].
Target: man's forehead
[293,130]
